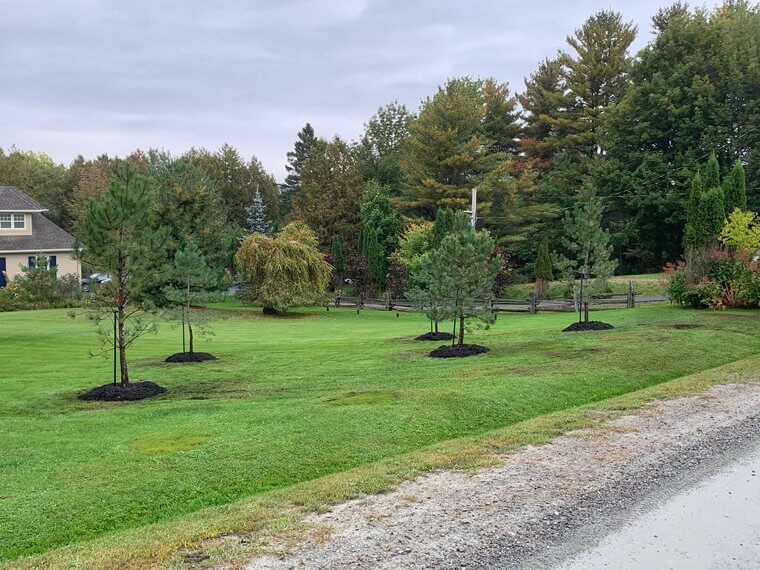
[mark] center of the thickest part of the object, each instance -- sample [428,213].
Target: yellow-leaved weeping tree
[285,270]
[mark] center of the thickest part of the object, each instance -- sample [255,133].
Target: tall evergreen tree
[735,189]
[296,159]
[381,230]
[542,269]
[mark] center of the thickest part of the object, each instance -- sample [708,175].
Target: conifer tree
[118,236]
[192,281]
[296,159]
[735,189]
[338,257]
[256,217]
[542,269]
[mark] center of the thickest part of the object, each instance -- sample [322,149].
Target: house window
[12,221]
[52,261]
[5,221]
[32,261]
[19,222]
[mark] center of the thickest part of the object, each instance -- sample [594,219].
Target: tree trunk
[585,310]
[461,330]
[190,335]
[436,327]
[123,350]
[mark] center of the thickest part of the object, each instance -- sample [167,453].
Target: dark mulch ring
[435,336]
[115,393]
[190,357]
[589,326]
[458,350]
[685,326]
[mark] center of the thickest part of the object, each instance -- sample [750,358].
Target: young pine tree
[118,236]
[192,282]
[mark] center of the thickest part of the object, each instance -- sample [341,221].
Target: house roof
[46,236]
[14,200]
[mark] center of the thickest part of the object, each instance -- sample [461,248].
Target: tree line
[595,129]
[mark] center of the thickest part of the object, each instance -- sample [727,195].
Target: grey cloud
[87,76]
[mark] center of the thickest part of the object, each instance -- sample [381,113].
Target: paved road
[714,523]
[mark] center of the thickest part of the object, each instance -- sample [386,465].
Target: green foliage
[542,268]
[742,232]
[330,193]
[415,242]
[192,281]
[36,174]
[285,270]
[443,226]
[382,146]
[711,216]
[712,173]
[586,241]
[735,188]
[338,256]
[458,276]
[296,159]
[39,288]
[381,229]
[118,236]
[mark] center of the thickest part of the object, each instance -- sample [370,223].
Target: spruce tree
[256,217]
[338,257]
[296,159]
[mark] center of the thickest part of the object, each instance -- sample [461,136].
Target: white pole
[473,211]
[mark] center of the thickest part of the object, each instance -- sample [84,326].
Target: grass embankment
[297,413]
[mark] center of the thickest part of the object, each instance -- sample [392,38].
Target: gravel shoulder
[540,505]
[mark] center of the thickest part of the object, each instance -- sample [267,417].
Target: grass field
[290,400]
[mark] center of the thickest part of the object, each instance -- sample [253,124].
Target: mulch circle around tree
[190,357]
[458,350]
[435,336]
[589,326]
[115,393]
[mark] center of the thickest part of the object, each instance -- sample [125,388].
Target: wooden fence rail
[532,305]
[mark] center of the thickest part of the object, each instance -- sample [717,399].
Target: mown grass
[297,412]
[647,285]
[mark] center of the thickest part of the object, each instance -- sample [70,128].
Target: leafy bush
[38,288]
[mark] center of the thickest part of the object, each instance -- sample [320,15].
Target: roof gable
[14,200]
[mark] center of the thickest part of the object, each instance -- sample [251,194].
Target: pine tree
[458,276]
[597,75]
[192,282]
[587,242]
[443,226]
[256,217]
[296,159]
[118,236]
[542,269]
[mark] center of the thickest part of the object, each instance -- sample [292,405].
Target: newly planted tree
[459,275]
[192,282]
[117,236]
[588,245]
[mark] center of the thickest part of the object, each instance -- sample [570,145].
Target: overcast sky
[88,77]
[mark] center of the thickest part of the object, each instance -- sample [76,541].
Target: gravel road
[545,506]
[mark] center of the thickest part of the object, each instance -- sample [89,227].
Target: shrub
[38,288]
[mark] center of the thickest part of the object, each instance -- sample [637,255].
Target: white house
[25,234]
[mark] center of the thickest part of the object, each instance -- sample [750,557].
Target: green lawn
[291,400]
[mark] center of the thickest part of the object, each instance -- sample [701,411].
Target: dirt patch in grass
[117,393]
[683,326]
[435,336]
[190,357]
[589,326]
[458,351]
[168,443]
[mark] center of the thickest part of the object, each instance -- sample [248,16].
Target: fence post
[631,295]
[533,307]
